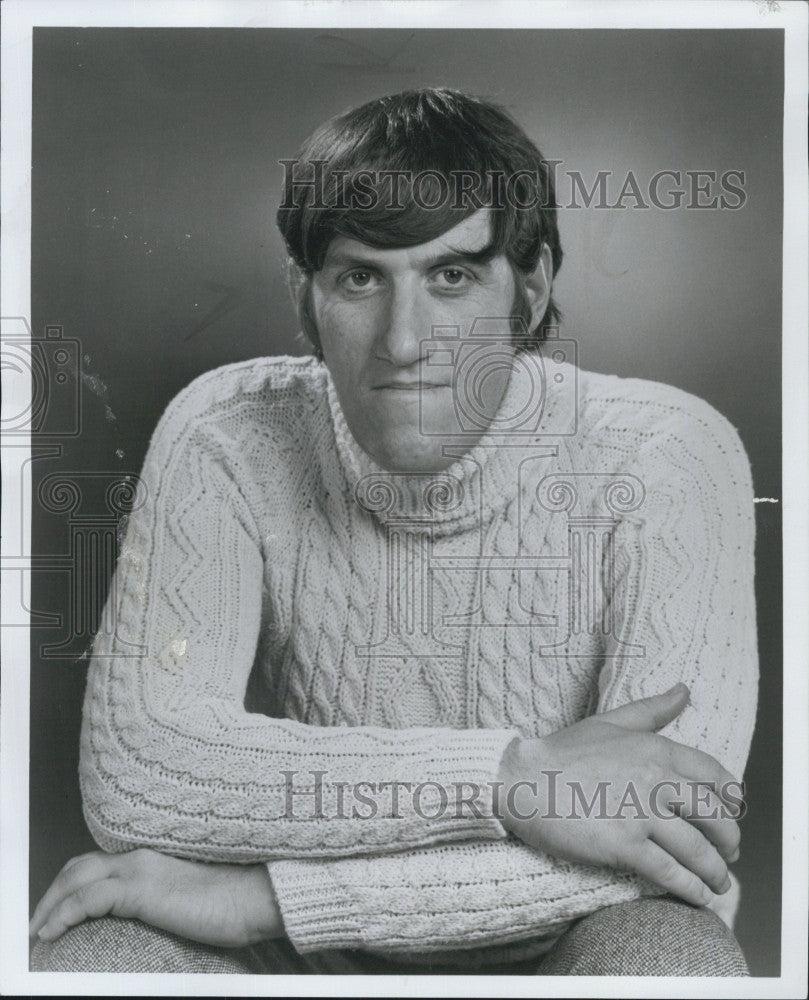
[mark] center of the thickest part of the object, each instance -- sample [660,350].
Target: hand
[231,906]
[675,840]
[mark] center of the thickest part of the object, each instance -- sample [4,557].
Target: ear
[300,286]
[538,285]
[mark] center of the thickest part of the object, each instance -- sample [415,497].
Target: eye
[358,280]
[452,277]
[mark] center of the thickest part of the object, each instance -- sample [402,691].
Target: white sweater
[405,628]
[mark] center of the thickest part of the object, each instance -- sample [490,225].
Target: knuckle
[662,743]
[136,861]
[647,766]
[713,866]
[70,866]
[94,867]
[658,751]
[83,896]
[140,864]
[668,871]
[706,856]
[652,741]
[712,769]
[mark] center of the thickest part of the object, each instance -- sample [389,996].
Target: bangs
[391,207]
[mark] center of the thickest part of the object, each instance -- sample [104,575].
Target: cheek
[499,295]
[484,301]
[346,331]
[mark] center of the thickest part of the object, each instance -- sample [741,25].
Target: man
[399,624]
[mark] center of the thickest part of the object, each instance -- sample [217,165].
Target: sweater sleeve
[170,757]
[683,589]
[682,605]
[445,898]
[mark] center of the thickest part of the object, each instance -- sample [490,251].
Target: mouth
[401,385]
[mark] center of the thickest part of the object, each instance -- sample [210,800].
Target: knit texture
[405,628]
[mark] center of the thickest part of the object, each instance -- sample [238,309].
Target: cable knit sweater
[405,628]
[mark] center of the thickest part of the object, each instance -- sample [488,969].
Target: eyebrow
[482,256]
[452,255]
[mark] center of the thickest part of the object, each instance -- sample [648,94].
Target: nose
[405,326]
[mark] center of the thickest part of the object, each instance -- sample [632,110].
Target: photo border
[18,19]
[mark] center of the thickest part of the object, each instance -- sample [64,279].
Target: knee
[648,937]
[113,944]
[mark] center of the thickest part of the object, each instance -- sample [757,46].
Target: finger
[89,856]
[658,866]
[94,900]
[692,850]
[649,714]
[75,874]
[703,769]
[706,813]
[84,857]
[724,834]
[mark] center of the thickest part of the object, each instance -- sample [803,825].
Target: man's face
[376,312]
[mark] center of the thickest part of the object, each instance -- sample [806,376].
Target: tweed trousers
[646,937]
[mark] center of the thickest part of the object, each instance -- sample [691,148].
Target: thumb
[650,714]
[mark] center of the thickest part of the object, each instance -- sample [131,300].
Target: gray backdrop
[155,183]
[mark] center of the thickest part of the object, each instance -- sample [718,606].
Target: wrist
[522,783]
[512,769]
[508,762]
[268,922]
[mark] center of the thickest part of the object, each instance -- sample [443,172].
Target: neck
[479,475]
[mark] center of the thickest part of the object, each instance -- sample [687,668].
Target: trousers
[645,937]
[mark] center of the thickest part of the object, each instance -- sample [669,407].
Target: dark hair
[431,134]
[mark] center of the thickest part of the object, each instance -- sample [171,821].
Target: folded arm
[170,758]
[681,590]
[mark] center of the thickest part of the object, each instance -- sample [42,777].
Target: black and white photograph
[405,506]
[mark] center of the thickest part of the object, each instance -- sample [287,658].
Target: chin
[418,464]
[413,452]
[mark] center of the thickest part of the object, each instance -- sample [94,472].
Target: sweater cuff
[427,787]
[450,792]
[318,912]
[321,910]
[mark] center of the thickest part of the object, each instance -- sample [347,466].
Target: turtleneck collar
[483,477]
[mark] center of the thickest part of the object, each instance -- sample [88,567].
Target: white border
[18,19]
